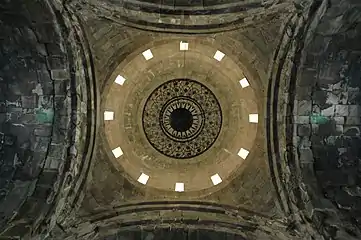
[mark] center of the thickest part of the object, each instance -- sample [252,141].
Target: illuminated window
[243,153]
[108,115]
[253,118]
[216,179]
[143,178]
[219,56]
[244,83]
[179,187]
[119,80]
[117,152]
[183,46]
[148,54]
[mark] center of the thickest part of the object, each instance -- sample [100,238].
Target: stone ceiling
[91,142]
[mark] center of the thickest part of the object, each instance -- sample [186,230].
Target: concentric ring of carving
[182,118]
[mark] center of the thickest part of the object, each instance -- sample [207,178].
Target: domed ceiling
[180,119]
[180,116]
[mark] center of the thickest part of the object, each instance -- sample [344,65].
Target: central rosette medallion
[182,118]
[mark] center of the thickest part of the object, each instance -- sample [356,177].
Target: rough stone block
[44,78]
[308,77]
[353,121]
[59,135]
[3,107]
[307,171]
[311,62]
[52,163]
[17,88]
[330,26]
[304,130]
[315,128]
[40,144]
[304,93]
[25,119]
[47,177]
[56,62]
[333,98]
[28,101]
[57,151]
[316,109]
[342,110]
[330,111]
[353,95]
[31,168]
[45,33]
[40,48]
[61,103]
[47,101]
[304,142]
[339,120]
[339,130]
[59,74]
[306,155]
[62,122]
[9,140]
[319,44]
[326,129]
[41,192]
[60,87]
[2,117]
[43,131]
[55,48]
[304,107]
[302,119]
[354,110]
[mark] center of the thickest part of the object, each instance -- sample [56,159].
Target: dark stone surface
[190,3]
[174,234]
[335,151]
[28,70]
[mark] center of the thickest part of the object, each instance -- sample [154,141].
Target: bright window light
[143,178]
[148,54]
[183,46]
[216,179]
[253,118]
[108,115]
[243,153]
[119,80]
[117,152]
[244,83]
[179,187]
[219,56]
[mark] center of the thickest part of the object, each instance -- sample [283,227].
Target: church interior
[180,119]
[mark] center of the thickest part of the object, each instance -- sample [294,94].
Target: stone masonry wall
[34,116]
[165,16]
[328,109]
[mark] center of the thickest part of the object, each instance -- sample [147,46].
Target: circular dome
[205,119]
[182,118]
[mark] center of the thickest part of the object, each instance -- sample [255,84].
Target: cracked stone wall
[34,84]
[328,108]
